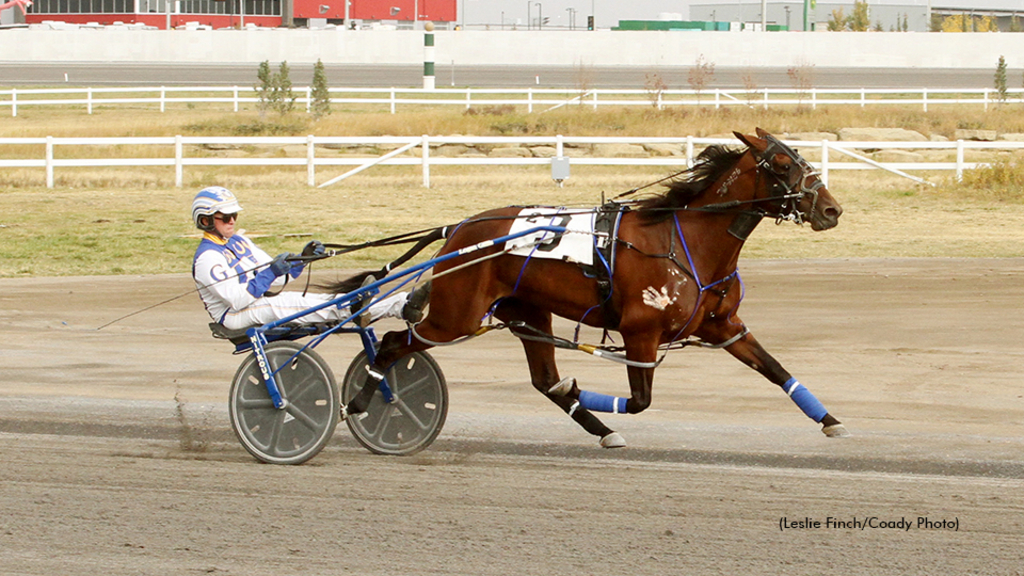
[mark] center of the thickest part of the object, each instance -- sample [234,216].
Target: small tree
[321,105]
[655,86]
[837,22]
[701,75]
[860,19]
[264,89]
[1001,79]
[284,98]
[802,78]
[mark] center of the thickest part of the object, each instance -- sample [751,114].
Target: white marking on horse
[732,178]
[658,300]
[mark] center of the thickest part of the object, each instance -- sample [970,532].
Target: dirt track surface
[116,455]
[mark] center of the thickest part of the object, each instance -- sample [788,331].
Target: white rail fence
[531,98]
[566,151]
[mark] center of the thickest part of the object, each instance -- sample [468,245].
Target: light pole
[572,18]
[529,15]
[540,16]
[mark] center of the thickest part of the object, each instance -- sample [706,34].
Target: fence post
[765,98]
[924,98]
[529,100]
[718,98]
[469,98]
[309,99]
[986,99]
[88,100]
[814,99]
[392,100]
[14,101]
[49,161]
[426,161]
[310,161]
[959,160]
[594,93]
[689,151]
[178,176]
[235,96]
[824,162]
[163,99]
[559,146]
[863,97]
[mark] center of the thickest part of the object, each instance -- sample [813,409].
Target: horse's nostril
[833,212]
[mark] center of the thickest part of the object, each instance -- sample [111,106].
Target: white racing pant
[269,309]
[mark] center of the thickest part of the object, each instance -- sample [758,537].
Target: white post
[178,173]
[924,98]
[593,95]
[718,97]
[14,101]
[959,160]
[469,100]
[765,98]
[529,100]
[310,161]
[392,100]
[863,97]
[559,146]
[426,161]
[163,99]
[986,99]
[689,151]
[824,162]
[235,96]
[814,99]
[88,100]
[49,161]
[428,56]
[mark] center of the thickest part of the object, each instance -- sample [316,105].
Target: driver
[236,279]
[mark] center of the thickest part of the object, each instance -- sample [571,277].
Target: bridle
[787,191]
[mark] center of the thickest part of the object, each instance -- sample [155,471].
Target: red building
[237,13]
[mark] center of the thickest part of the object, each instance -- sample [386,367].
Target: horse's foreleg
[749,351]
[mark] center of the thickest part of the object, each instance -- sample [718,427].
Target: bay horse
[672,280]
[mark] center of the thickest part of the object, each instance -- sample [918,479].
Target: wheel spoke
[302,417]
[255,404]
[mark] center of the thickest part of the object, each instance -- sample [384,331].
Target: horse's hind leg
[749,351]
[544,373]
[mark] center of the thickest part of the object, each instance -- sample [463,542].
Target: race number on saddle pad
[575,246]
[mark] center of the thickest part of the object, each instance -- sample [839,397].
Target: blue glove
[314,248]
[280,265]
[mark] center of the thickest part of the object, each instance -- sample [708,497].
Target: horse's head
[794,190]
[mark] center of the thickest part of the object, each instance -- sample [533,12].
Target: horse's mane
[688,186]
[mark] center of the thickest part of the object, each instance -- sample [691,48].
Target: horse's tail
[354,282]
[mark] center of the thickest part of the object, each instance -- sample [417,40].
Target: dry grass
[117,221]
[575,120]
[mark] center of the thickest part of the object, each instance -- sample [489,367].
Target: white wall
[603,48]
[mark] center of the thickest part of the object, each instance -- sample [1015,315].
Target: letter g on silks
[803,398]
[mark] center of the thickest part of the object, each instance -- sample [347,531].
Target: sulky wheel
[297,432]
[413,420]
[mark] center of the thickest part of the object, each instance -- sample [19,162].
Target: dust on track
[117,455]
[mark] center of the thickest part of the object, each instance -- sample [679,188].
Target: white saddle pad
[575,246]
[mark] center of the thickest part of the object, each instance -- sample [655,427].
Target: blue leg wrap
[803,398]
[598,402]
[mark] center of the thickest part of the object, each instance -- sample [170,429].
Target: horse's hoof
[613,440]
[835,431]
[563,387]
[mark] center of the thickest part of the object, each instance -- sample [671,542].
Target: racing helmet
[210,201]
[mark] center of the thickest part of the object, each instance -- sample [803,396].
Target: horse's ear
[758,144]
[762,133]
